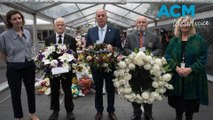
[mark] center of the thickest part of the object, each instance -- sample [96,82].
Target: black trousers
[66,82]
[141,80]
[99,76]
[15,77]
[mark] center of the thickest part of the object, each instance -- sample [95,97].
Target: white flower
[127,76]
[66,57]
[155,84]
[169,86]
[155,95]
[156,67]
[145,95]
[158,62]
[163,61]
[161,90]
[151,100]
[116,83]
[54,63]
[110,54]
[167,77]
[131,66]
[131,56]
[138,97]
[128,90]
[105,65]
[161,83]
[50,49]
[121,72]
[148,59]
[89,58]
[116,73]
[122,64]
[159,97]
[128,61]
[147,66]
[152,72]
[46,61]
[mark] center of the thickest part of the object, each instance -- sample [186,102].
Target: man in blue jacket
[108,35]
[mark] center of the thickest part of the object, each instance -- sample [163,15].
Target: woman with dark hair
[15,46]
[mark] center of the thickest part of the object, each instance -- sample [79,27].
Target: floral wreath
[54,56]
[158,69]
[99,56]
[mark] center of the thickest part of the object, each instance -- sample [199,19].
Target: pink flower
[119,58]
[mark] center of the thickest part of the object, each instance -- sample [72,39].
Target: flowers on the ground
[43,86]
[158,69]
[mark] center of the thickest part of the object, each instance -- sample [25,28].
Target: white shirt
[62,38]
[101,34]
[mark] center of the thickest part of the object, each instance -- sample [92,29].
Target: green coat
[195,84]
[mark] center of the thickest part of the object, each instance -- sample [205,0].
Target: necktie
[59,40]
[102,34]
[141,39]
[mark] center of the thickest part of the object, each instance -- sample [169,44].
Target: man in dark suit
[61,38]
[103,34]
[144,40]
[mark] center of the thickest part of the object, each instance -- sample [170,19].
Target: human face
[59,26]
[141,24]
[101,18]
[185,25]
[16,21]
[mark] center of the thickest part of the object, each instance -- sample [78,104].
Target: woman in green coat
[187,55]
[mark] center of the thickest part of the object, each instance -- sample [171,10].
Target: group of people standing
[186,54]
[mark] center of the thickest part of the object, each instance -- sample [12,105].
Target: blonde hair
[192,30]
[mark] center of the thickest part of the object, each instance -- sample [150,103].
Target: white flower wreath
[157,69]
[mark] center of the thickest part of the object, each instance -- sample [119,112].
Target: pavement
[84,107]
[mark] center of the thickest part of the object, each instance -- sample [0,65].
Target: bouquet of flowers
[100,56]
[159,72]
[80,42]
[54,60]
[43,86]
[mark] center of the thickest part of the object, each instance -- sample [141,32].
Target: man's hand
[110,48]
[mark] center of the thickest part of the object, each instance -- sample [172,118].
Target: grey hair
[59,19]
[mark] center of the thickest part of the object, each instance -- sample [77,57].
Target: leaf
[136,50]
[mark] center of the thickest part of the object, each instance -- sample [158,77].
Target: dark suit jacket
[151,42]
[112,37]
[68,40]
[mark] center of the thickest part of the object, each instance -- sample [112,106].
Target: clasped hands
[184,72]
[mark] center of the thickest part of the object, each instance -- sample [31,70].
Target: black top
[183,48]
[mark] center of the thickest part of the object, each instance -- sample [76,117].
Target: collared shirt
[17,49]
[101,34]
[143,37]
[62,38]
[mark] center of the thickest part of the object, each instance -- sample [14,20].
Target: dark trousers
[99,76]
[137,109]
[15,77]
[141,80]
[66,82]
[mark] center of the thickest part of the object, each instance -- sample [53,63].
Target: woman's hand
[184,72]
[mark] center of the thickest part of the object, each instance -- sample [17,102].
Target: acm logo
[170,12]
